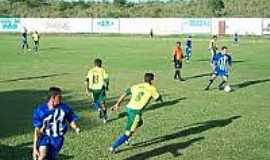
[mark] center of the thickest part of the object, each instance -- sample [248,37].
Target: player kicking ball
[140,94]
[51,121]
[222,63]
[97,83]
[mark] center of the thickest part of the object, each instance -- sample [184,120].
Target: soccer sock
[175,75]
[210,82]
[179,74]
[221,84]
[105,114]
[119,141]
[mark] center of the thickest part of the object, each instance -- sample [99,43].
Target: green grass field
[192,124]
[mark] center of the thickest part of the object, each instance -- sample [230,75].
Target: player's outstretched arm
[118,103]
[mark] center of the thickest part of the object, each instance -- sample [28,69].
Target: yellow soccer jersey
[213,44]
[141,95]
[35,36]
[97,77]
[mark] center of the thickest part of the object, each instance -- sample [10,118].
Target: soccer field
[192,124]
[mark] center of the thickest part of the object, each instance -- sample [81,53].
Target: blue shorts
[221,74]
[53,145]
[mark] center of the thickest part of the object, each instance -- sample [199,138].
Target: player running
[177,59]
[97,83]
[140,94]
[51,121]
[222,63]
[188,49]
[35,37]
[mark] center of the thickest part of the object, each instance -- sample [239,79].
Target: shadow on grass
[195,128]
[152,107]
[198,76]
[22,151]
[249,83]
[176,149]
[52,48]
[208,60]
[33,77]
[17,107]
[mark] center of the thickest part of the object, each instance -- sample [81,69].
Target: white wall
[105,25]
[266,26]
[242,26]
[160,26]
[58,25]
[10,24]
[197,25]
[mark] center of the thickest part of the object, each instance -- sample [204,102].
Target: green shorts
[99,95]
[134,120]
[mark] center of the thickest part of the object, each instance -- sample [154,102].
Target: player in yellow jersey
[97,83]
[140,94]
[213,49]
[35,37]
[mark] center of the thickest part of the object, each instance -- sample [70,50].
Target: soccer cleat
[128,142]
[104,120]
[112,150]
[207,88]
[181,79]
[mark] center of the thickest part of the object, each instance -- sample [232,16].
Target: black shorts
[36,42]
[177,64]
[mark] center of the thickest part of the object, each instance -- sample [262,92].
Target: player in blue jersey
[188,48]
[236,38]
[51,120]
[222,63]
[24,43]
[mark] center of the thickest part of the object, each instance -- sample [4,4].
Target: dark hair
[54,91]
[224,47]
[98,62]
[148,77]
[214,36]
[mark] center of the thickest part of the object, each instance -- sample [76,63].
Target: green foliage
[120,8]
[217,7]
[120,2]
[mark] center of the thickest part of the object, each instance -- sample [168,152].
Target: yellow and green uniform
[98,80]
[212,45]
[141,94]
[35,37]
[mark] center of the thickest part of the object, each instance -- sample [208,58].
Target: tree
[120,2]
[217,7]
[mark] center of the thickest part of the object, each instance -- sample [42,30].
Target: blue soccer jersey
[189,43]
[222,64]
[54,121]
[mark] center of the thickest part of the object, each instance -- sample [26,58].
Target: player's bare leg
[42,153]
[104,112]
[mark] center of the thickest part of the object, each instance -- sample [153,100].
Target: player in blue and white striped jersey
[222,63]
[51,120]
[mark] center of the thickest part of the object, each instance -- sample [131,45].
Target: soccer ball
[227,89]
